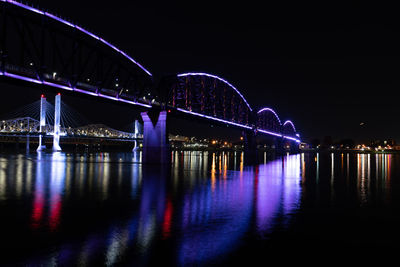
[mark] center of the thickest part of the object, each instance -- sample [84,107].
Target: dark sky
[326,65]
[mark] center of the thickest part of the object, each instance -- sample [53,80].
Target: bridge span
[45,50]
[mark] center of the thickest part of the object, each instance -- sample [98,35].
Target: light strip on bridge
[218,78]
[237,124]
[291,123]
[78,28]
[216,119]
[291,138]
[15,76]
[58,86]
[270,133]
[270,109]
[279,135]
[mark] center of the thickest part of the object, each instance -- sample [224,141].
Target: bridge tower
[42,128]
[136,134]
[56,132]
[155,137]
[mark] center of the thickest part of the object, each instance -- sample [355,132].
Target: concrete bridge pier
[250,148]
[57,116]
[155,137]
[43,104]
[136,133]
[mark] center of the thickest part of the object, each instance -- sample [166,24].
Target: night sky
[326,66]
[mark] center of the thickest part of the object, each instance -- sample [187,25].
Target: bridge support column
[155,137]
[250,148]
[42,147]
[56,132]
[137,132]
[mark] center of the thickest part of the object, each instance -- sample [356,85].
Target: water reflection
[106,209]
[277,191]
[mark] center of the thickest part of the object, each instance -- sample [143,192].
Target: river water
[108,209]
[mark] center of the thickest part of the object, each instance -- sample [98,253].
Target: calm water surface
[204,209]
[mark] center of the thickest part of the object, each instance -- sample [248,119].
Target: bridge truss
[39,47]
[210,96]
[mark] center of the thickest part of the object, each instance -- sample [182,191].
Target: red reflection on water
[166,227]
[39,200]
[37,212]
[54,218]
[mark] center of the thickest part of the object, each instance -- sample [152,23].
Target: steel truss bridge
[41,48]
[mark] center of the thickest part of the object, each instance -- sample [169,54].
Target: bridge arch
[268,120]
[289,129]
[211,96]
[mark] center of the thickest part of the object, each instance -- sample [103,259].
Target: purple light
[134,103]
[58,86]
[15,76]
[291,138]
[237,124]
[270,133]
[216,119]
[291,123]
[24,6]
[278,135]
[218,78]
[59,19]
[85,92]
[110,45]
[108,97]
[87,32]
[78,28]
[271,110]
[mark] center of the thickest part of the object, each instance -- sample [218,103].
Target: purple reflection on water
[216,217]
[292,184]
[278,191]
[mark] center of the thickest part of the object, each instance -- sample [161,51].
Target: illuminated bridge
[31,126]
[38,47]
